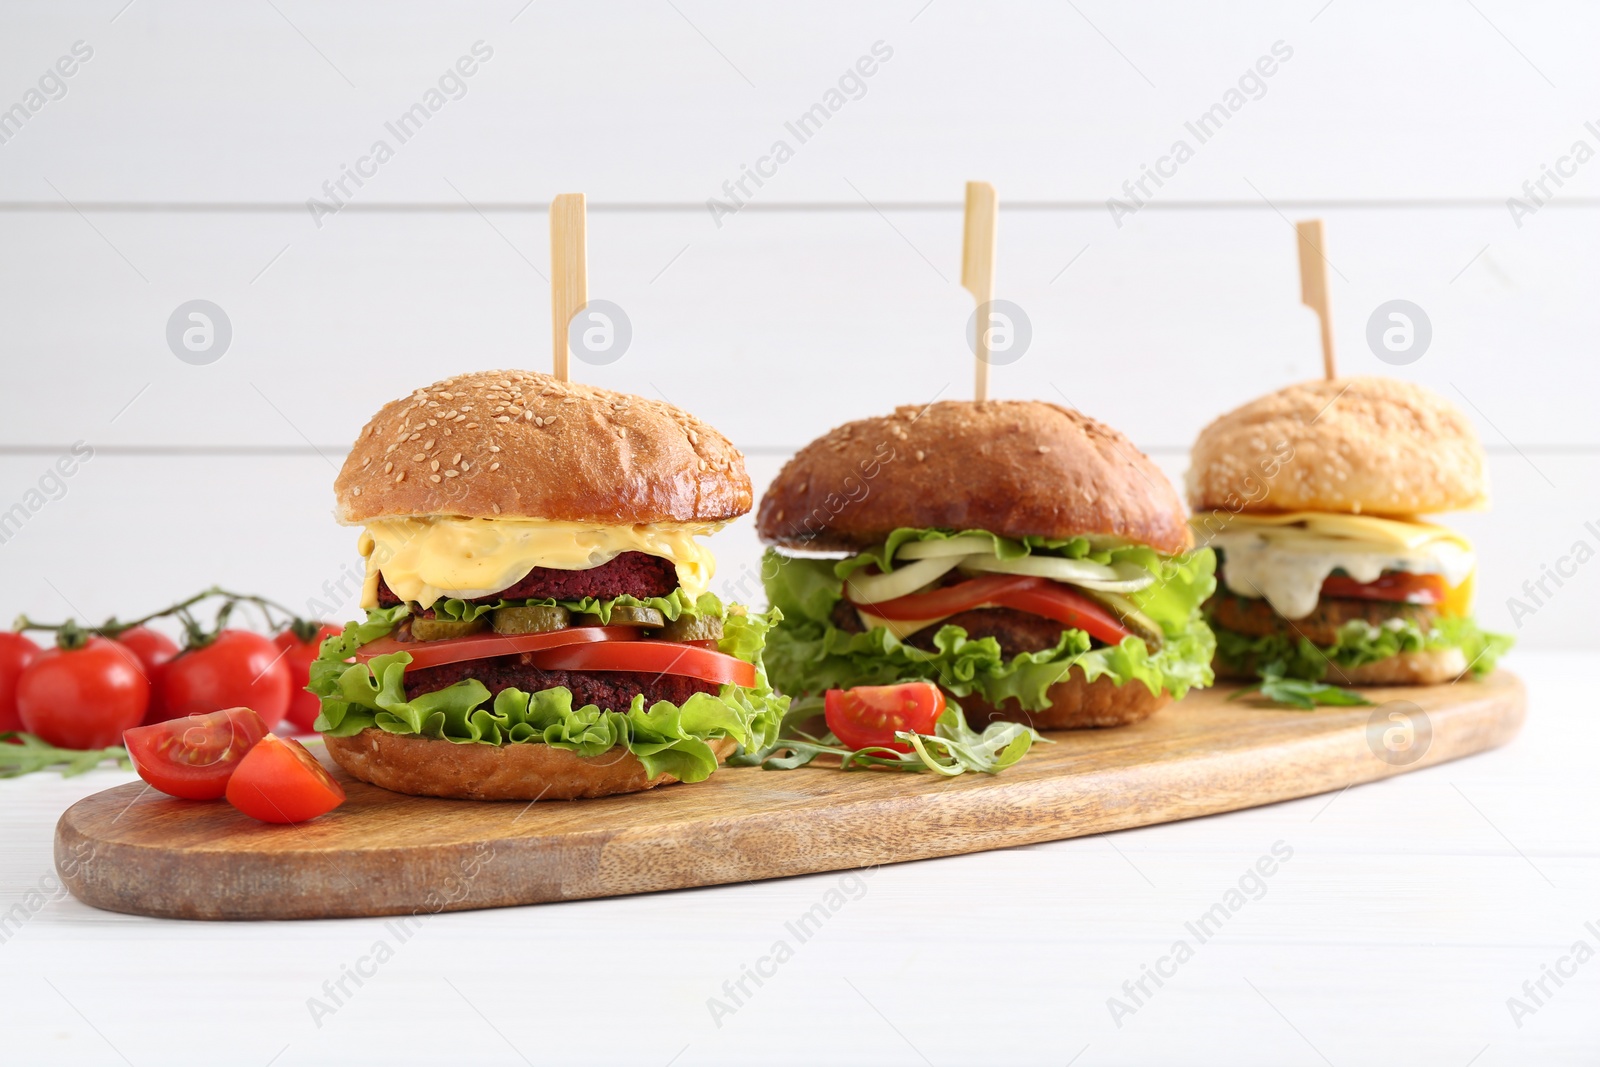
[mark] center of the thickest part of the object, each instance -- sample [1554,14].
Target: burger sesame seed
[496,508]
[356,491]
[435,478]
[471,425]
[494,448]
[419,457]
[494,466]
[529,415]
[549,419]
[434,465]
[1043,449]
[388,468]
[428,443]
[452,474]
[466,464]
[502,418]
[400,477]
[461,418]
[413,437]
[919,455]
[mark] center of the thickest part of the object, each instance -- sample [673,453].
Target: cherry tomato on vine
[193,757]
[238,669]
[298,654]
[16,652]
[155,650]
[868,716]
[83,697]
[279,781]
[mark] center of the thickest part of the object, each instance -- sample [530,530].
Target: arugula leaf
[35,754]
[952,749]
[1302,694]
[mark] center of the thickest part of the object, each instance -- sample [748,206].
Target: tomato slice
[869,715]
[1037,596]
[652,657]
[194,756]
[279,781]
[483,646]
[1396,586]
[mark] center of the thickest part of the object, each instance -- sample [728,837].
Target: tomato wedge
[1396,586]
[1037,596]
[194,756]
[279,781]
[482,646]
[869,715]
[651,657]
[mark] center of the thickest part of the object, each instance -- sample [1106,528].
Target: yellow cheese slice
[425,559]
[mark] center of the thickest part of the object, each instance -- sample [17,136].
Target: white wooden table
[1408,915]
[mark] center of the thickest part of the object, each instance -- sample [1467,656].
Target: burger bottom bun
[1074,704]
[1406,668]
[429,767]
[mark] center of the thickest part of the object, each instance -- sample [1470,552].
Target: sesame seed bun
[1013,467]
[1370,446]
[515,444]
[434,767]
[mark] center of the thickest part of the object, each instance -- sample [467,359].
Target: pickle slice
[531,619]
[693,628]
[444,629]
[626,615]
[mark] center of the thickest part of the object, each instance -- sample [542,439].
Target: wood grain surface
[132,850]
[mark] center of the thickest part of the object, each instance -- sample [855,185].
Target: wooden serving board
[130,849]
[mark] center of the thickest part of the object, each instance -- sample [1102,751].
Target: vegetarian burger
[1311,497]
[538,623]
[1026,558]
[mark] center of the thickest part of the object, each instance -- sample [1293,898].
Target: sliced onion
[1116,578]
[863,588]
[953,546]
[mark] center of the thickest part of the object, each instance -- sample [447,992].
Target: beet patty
[1254,617]
[629,574]
[1016,631]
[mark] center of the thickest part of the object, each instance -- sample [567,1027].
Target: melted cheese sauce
[1286,558]
[426,559]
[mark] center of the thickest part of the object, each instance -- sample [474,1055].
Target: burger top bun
[1369,446]
[1012,467]
[516,444]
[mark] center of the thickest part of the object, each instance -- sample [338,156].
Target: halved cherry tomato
[1037,596]
[298,654]
[155,650]
[482,646]
[869,715]
[83,697]
[16,652]
[238,669]
[652,657]
[1396,586]
[279,781]
[193,757]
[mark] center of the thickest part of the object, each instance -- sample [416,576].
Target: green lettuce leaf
[1004,548]
[671,606]
[807,653]
[1358,643]
[667,738]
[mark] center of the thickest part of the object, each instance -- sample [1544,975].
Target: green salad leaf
[22,753]
[1358,643]
[808,654]
[667,738]
[1300,693]
[952,749]
[671,606]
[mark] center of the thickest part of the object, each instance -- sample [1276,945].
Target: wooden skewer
[569,273]
[977,269]
[1314,286]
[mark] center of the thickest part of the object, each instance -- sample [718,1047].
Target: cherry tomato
[155,650]
[279,781]
[655,657]
[1396,586]
[193,757]
[238,669]
[869,715]
[298,654]
[83,697]
[16,652]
